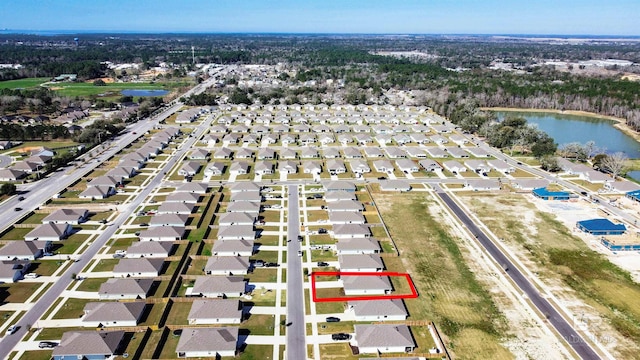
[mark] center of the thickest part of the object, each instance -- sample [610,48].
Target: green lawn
[86,89]
[91,284]
[18,292]
[72,309]
[45,268]
[259,324]
[22,83]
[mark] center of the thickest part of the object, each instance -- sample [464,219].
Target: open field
[450,294]
[22,83]
[566,263]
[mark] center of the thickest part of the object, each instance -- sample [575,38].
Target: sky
[542,17]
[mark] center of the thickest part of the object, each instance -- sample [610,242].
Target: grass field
[450,295]
[86,89]
[22,83]
[560,256]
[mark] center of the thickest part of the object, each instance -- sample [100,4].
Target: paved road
[579,345]
[296,348]
[5,161]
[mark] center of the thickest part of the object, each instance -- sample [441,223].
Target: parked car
[271,264]
[17,209]
[340,336]
[31,276]
[47,344]
[258,263]
[322,263]
[382,178]
[322,231]
[300,238]
[20,198]
[332,319]
[299,253]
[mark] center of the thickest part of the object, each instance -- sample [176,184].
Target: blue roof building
[600,227]
[545,194]
[634,195]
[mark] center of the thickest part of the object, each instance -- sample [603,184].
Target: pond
[566,129]
[140,92]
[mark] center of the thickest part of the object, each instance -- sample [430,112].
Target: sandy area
[529,337]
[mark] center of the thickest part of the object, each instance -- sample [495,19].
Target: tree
[7,189]
[99,82]
[544,146]
[549,163]
[614,163]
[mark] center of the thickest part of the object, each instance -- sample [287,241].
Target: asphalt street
[296,348]
[579,345]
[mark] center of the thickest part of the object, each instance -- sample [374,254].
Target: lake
[566,129]
[139,92]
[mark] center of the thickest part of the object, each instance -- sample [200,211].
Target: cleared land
[450,294]
[565,263]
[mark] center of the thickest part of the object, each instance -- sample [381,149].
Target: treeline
[36,132]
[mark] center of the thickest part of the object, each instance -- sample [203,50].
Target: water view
[139,92]
[566,129]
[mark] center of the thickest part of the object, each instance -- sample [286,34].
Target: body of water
[138,92]
[566,129]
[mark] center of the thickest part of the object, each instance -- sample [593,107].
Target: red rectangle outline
[413,295]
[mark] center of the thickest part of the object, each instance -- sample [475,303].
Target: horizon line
[194,32]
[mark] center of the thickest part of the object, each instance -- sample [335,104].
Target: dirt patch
[520,333]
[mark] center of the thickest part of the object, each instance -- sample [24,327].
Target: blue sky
[583,17]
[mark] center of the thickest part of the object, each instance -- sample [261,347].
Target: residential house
[373,152]
[23,250]
[336,166]
[287,167]
[436,152]
[233,247]
[139,267]
[50,232]
[218,286]
[263,167]
[360,263]
[359,166]
[350,230]
[223,153]
[89,345]
[378,310]
[395,185]
[236,232]
[501,166]
[108,314]
[162,233]
[383,166]
[454,166]
[407,166]
[149,249]
[350,246]
[212,312]
[311,167]
[175,208]
[383,338]
[430,165]
[67,216]
[227,265]
[366,285]
[346,217]
[208,342]
[189,168]
[97,192]
[125,289]
[13,270]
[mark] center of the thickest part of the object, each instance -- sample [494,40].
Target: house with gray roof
[67,216]
[309,153]
[105,181]
[50,232]
[88,345]
[162,233]
[140,267]
[338,195]
[193,187]
[360,263]
[175,208]
[336,166]
[236,232]
[478,166]
[215,168]
[23,250]
[350,230]
[233,247]
[436,152]
[254,196]
[366,285]
[346,217]
[208,342]
[218,286]
[352,246]
[501,166]
[108,314]
[253,208]
[288,154]
[11,174]
[529,184]
[378,310]
[227,265]
[482,184]
[125,289]
[430,165]
[373,152]
[338,185]
[454,166]
[352,153]
[122,172]
[288,167]
[383,338]
[236,218]
[407,166]
[331,153]
[244,153]
[97,192]
[383,166]
[149,249]
[266,154]
[244,186]
[311,167]
[477,152]
[359,166]
[415,152]
[457,152]
[199,154]
[13,270]
[189,168]
[239,168]
[345,205]
[263,167]
[182,197]
[223,153]
[218,311]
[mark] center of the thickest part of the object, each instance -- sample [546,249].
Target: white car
[11,329]
[31,276]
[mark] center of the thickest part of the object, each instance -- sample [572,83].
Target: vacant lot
[565,262]
[450,294]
